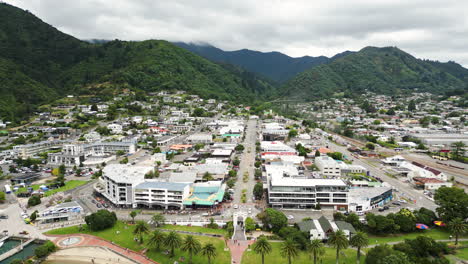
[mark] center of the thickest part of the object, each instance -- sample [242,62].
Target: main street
[247,165]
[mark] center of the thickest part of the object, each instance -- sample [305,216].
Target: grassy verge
[437,234]
[68,186]
[197,229]
[125,239]
[347,256]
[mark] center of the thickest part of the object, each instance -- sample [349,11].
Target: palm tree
[191,245]
[173,241]
[457,226]
[315,248]
[262,247]
[289,249]
[209,250]
[226,238]
[140,229]
[158,219]
[133,214]
[157,239]
[359,240]
[339,241]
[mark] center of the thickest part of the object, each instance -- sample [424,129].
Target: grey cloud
[431,29]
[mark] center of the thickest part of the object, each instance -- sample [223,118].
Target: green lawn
[435,233]
[68,186]
[347,256]
[198,229]
[125,239]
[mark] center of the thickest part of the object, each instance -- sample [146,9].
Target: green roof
[306,226]
[205,196]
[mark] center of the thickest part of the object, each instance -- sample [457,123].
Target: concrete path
[89,240]
[237,249]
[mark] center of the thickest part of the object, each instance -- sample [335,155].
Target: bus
[439,157]
[7,189]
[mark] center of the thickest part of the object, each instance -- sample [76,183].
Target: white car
[250,210]
[290,217]
[236,206]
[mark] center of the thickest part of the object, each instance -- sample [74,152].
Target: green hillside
[381,70]
[39,64]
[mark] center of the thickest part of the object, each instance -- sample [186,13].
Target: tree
[33,216]
[273,219]
[94,108]
[262,247]
[62,170]
[292,133]
[249,224]
[157,239]
[199,112]
[316,248]
[317,153]
[239,147]
[207,176]
[458,149]
[141,228]
[257,164]
[452,202]
[458,227]
[359,240]
[377,253]
[158,219]
[391,112]
[338,216]
[236,162]
[258,191]
[209,251]
[2,197]
[412,106]
[289,249]
[353,219]
[100,220]
[232,173]
[191,245]
[370,146]
[173,241]
[133,214]
[34,200]
[339,241]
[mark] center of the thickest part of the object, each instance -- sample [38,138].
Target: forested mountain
[273,65]
[38,64]
[386,70]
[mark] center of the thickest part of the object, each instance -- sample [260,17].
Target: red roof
[427,180]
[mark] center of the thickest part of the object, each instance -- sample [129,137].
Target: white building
[286,189]
[115,128]
[275,146]
[126,186]
[200,138]
[367,198]
[328,166]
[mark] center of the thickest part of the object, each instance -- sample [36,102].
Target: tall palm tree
[339,241]
[141,228]
[191,245]
[226,238]
[315,248]
[173,241]
[359,240]
[262,247]
[457,226]
[209,250]
[158,219]
[157,239]
[289,249]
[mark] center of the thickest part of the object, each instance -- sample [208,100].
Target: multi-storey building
[288,190]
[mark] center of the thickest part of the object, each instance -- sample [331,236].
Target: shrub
[100,220]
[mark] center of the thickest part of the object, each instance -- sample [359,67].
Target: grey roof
[171,186]
[68,204]
[326,226]
[186,176]
[342,225]
[306,226]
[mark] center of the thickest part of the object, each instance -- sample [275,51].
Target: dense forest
[386,70]
[38,64]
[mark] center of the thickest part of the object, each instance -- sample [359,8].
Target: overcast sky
[433,29]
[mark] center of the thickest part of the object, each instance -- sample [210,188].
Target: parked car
[381,209]
[386,208]
[235,206]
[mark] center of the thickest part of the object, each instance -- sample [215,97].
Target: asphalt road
[404,189]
